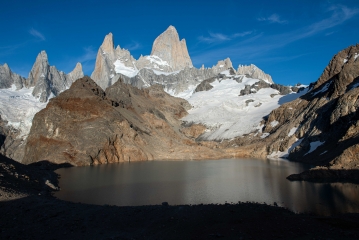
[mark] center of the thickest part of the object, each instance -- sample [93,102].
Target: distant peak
[107,44]
[43,54]
[171,28]
[78,66]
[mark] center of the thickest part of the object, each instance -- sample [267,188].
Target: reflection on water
[210,181]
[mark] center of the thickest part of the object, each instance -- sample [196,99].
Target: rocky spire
[46,79]
[76,73]
[40,69]
[169,48]
[104,62]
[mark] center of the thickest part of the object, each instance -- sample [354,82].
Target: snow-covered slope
[18,108]
[227,114]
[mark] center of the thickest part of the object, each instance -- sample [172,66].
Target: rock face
[107,57]
[8,78]
[253,71]
[47,80]
[11,145]
[169,48]
[76,73]
[85,125]
[223,65]
[322,126]
[173,83]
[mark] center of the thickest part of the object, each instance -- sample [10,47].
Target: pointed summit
[169,48]
[40,68]
[76,73]
[107,45]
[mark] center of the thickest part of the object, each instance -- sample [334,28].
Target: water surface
[206,181]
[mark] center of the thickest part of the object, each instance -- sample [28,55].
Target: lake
[205,181]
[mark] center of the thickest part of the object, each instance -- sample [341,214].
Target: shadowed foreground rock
[28,211]
[326,174]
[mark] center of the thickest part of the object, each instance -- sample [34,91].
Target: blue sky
[292,41]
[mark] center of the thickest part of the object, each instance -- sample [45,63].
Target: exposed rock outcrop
[169,48]
[85,125]
[8,78]
[11,143]
[253,71]
[223,65]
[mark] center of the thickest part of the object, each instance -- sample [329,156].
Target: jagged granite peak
[40,69]
[8,78]
[46,79]
[169,48]
[110,61]
[107,44]
[253,71]
[222,65]
[76,73]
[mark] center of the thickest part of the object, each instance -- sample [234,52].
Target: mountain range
[161,107]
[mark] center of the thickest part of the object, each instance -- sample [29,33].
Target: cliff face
[85,125]
[169,48]
[8,78]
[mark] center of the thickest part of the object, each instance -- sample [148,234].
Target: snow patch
[314,145]
[127,71]
[157,60]
[292,131]
[274,123]
[264,135]
[323,89]
[285,154]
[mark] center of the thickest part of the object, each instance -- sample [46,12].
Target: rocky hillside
[86,125]
[322,126]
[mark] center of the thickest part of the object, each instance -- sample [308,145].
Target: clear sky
[292,40]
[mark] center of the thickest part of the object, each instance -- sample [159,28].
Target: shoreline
[28,210]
